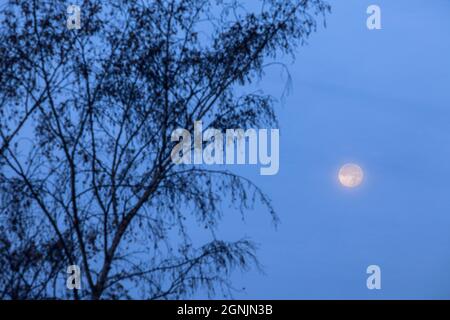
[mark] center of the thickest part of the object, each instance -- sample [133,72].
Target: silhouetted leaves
[85,123]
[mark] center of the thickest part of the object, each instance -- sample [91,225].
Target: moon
[351,175]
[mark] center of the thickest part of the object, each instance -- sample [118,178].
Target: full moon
[351,175]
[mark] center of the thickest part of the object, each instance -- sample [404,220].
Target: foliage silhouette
[86,117]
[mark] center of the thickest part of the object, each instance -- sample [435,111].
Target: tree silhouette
[86,116]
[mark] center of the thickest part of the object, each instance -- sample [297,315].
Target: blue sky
[380,99]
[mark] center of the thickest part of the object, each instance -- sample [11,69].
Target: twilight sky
[380,99]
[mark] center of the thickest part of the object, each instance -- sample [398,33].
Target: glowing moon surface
[351,175]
